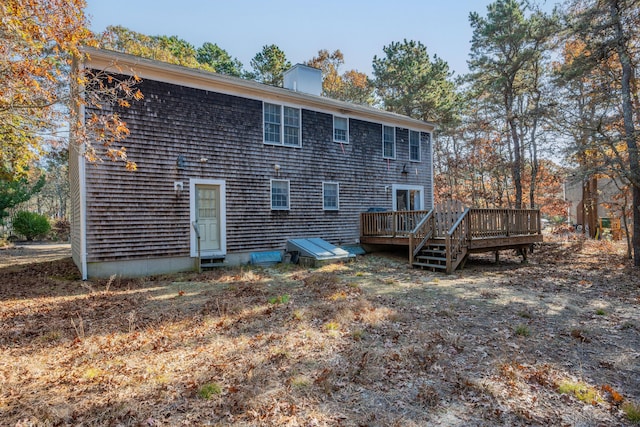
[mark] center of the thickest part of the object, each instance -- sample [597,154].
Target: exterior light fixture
[178,187]
[180,162]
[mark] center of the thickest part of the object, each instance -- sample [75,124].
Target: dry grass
[367,343]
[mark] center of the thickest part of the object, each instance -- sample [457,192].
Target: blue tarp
[266,258]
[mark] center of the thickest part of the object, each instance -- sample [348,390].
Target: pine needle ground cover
[373,342]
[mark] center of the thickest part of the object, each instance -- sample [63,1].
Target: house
[228,167]
[594,204]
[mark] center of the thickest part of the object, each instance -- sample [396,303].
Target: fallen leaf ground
[373,342]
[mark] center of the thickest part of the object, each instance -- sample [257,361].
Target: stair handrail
[424,228]
[194,224]
[455,239]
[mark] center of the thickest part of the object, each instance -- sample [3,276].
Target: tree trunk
[534,150]
[636,226]
[625,225]
[629,128]
[516,170]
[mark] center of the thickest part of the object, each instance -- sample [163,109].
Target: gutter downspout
[82,189]
[431,166]
[83,210]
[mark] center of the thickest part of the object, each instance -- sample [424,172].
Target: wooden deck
[443,237]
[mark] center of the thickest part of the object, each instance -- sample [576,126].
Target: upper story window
[280,194]
[340,129]
[388,142]
[414,146]
[330,196]
[281,125]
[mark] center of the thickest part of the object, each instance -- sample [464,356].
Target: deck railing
[482,223]
[419,236]
[456,241]
[389,224]
[488,223]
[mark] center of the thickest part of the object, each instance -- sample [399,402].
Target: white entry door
[208,217]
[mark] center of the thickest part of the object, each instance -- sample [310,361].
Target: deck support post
[497,255]
[523,252]
[411,246]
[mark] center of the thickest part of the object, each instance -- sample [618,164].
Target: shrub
[30,224]
[60,229]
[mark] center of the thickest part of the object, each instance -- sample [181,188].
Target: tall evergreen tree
[269,65]
[409,82]
[218,59]
[505,50]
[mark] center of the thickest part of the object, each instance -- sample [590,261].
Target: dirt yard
[555,342]
[28,253]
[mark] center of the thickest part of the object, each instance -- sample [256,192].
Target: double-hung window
[330,196]
[414,146]
[280,194]
[340,129]
[388,142]
[281,125]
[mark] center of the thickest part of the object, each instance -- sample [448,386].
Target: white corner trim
[83,212]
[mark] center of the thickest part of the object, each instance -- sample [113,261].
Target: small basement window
[388,142]
[340,129]
[280,194]
[330,196]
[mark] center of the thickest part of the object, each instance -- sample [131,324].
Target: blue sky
[360,29]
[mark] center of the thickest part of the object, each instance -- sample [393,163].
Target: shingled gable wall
[136,223]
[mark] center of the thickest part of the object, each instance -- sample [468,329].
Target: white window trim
[288,195]
[419,160]
[223,213]
[281,143]
[334,129]
[419,188]
[394,142]
[337,207]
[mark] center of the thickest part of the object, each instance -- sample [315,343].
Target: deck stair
[433,256]
[212,261]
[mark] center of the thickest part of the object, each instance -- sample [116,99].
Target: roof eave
[170,73]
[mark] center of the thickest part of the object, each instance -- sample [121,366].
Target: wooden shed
[228,167]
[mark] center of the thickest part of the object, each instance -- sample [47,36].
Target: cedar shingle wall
[136,214]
